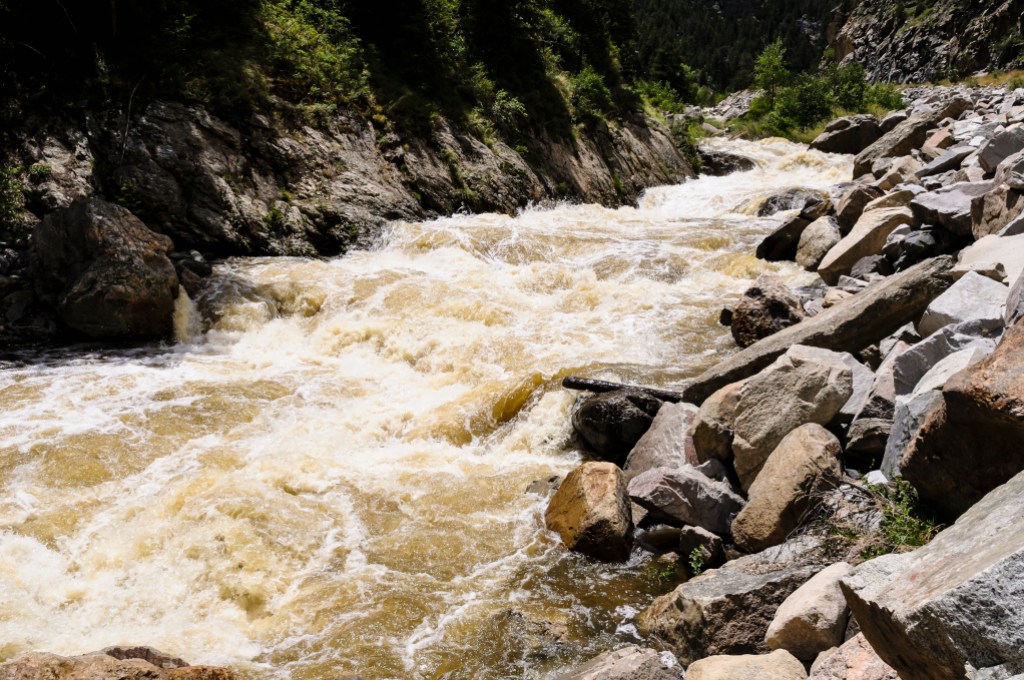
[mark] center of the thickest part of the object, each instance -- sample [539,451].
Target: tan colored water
[330,479]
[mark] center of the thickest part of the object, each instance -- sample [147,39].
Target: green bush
[12,200]
[661,96]
[885,96]
[806,103]
[589,95]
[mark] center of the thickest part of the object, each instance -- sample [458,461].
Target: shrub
[770,72]
[884,95]
[589,95]
[661,96]
[12,200]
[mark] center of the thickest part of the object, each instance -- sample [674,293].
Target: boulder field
[855,472]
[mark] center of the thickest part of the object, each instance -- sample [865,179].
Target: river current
[327,473]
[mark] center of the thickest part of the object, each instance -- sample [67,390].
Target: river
[326,474]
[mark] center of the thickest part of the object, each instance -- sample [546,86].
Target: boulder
[848,135]
[855,660]
[950,160]
[1003,144]
[721,163]
[901,140]
[872,424]
[667,443]
[709,546]
[1011,172]
[953,607]
[782,243]
[1015,303]
[941,139]
[871,265]
[712,427]
[853,203]
[728,610]
[892,119]
[119,665]
[812,619]
[908,423]
[991,253]
[917,246]
[975,441]
[791,199]
[817,239]
[779,665]
[806,385]
[626,663]
[766,308]
[950,207]
[940,373]
[612,423]
[910,366]
[995,210]
[866,238]
[803,466]
[591,513]
[685,496]
[899,171]
[104,271]
[898,198]
[850,326]
[973,297]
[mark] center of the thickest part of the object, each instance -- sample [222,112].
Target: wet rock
[803,466]
[1006,143]
[612,423]
[709,546]
[866,238]
[812,619]
[954,606]
[817,239]
[855,660]
[105,273]
[667,443]
[850,326]
[659,539]
[713,425]
[779,665]
[530,635]
[685,496]
[806,385]
[782,243]
[721,163]
[728,610]
[849,135]
[627,663]
[544,487]
[950,206]
[790,199]
[853,203]
[766,308]
[123,664]
[973,297]
[591,513]
[975,441]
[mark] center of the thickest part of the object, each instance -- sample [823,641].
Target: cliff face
[908,42]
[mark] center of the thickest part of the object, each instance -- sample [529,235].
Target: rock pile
[908,363]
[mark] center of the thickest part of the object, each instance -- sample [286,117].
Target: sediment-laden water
[327,474]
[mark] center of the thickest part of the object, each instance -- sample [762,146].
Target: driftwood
[602,386]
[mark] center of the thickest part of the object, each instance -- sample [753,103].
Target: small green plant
[39,172]
[903,526]
[663,572]
[274,218]
[696,561]
[590,97]
[12,200]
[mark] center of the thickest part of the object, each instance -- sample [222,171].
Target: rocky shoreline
[862,415]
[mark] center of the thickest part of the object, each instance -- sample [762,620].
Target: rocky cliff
[907,42]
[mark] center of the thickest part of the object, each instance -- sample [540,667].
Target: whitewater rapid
[326,474]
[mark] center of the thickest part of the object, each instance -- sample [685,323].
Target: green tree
[770,72]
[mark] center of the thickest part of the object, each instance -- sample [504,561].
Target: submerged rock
[766,308]
[612,423]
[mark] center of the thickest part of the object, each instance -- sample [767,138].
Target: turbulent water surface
[326,475]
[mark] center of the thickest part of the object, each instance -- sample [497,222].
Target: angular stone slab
[779,665]
[668,442]
[950,207]
[686,496]
[812,619]
[849,326]
[973,297]
[627,663]
[866,238]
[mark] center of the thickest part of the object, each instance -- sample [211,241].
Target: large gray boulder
[849,326]
[866,238]
[973,297]
[104,271]
[812,619]
[791,199]
[954,606]
[667,443]
[950,207]
[805,385]
[993,211]
[766,308]
[591,513]
[612,423]
[713,425]
[1006,143]
[626,663]
[910,366]
[1015,303]
[684,495]
[990,254]
[848,135]
[908,135]
[950,160]
[853,203]
[728,610]
[908,423]
[782,243]
[818,238]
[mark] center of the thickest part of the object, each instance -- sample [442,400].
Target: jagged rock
[975,441]
[728,610]
[910,366]
[591,513]
[901,170]
[866,238]
[911,417]
[909,135]
[721,163]
[862,380]
[766,308]
[855,660]
[1011,172]
[955,605]
[1002,145]
[1015,302]
[139,663]
[106,274]
[892,119]
[779,665]
[806,385]
[816,240]
[973,297]
[926,242]
[950,160]
[950,206]
[533,636]
[853,203]
[899,197]
[782,243]
[871,265]
[710,547]
[992,254]
[790,199]
[612,423]
[685,496]
[667,443]
[803,466]
[627,663]
[712,427]
[993,211]
[848,135]
[868,433]
[940,373]
[941,139]
[814,617]
[850,326]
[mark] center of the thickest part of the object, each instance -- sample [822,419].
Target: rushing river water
[328,476]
